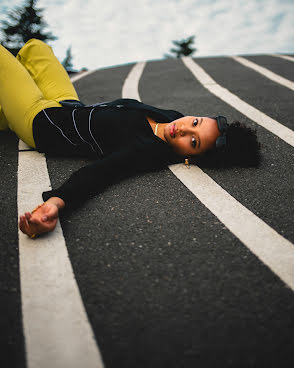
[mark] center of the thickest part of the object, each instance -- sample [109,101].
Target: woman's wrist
[57,201]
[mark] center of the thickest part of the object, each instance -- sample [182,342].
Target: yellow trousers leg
[47,72]
[31,82]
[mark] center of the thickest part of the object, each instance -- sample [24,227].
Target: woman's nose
[184,130]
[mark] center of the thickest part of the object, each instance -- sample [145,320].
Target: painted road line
[56,327]
[82,75]
[129,87]
[22,146]
[251,112]
[286,57]
[270,247]
[265,72]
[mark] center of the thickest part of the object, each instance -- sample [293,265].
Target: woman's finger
[30,219]
[27,226]
[33,221]
[22,222]
[24,226]
[21,226]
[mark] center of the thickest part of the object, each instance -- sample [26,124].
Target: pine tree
[183,48]
[67,62]
[24,23]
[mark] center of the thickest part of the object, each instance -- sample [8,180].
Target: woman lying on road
[39,103]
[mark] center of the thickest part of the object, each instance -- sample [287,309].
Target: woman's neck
[160,128]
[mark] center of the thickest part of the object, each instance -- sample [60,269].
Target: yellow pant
[29,83]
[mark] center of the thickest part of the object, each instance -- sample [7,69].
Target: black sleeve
[94,178]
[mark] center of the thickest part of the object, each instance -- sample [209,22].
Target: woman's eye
[195,122]
[194,142]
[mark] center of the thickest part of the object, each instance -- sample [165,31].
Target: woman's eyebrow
[199,141]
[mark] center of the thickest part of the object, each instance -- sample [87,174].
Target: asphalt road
[163,281]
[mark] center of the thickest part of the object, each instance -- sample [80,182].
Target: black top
[116,134]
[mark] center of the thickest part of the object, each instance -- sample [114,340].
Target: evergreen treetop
[67,62]
[25,22]
[183,48]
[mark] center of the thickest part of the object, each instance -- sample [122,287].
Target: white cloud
[112,32]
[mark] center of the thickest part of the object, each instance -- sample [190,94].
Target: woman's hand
[43,219]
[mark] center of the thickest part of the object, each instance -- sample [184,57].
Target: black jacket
[143,152]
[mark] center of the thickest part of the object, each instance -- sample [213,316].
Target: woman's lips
[173,130]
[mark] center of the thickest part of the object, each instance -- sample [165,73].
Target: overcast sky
[113,32]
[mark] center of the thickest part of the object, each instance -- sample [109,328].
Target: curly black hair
[242,149]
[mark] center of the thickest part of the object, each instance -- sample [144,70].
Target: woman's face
[191,135]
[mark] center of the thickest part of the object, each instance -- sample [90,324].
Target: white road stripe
[286,57]
[22,146]
[82,75]
[251,112]
[129,89]
[269,246]
[56,327]
[264,71]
